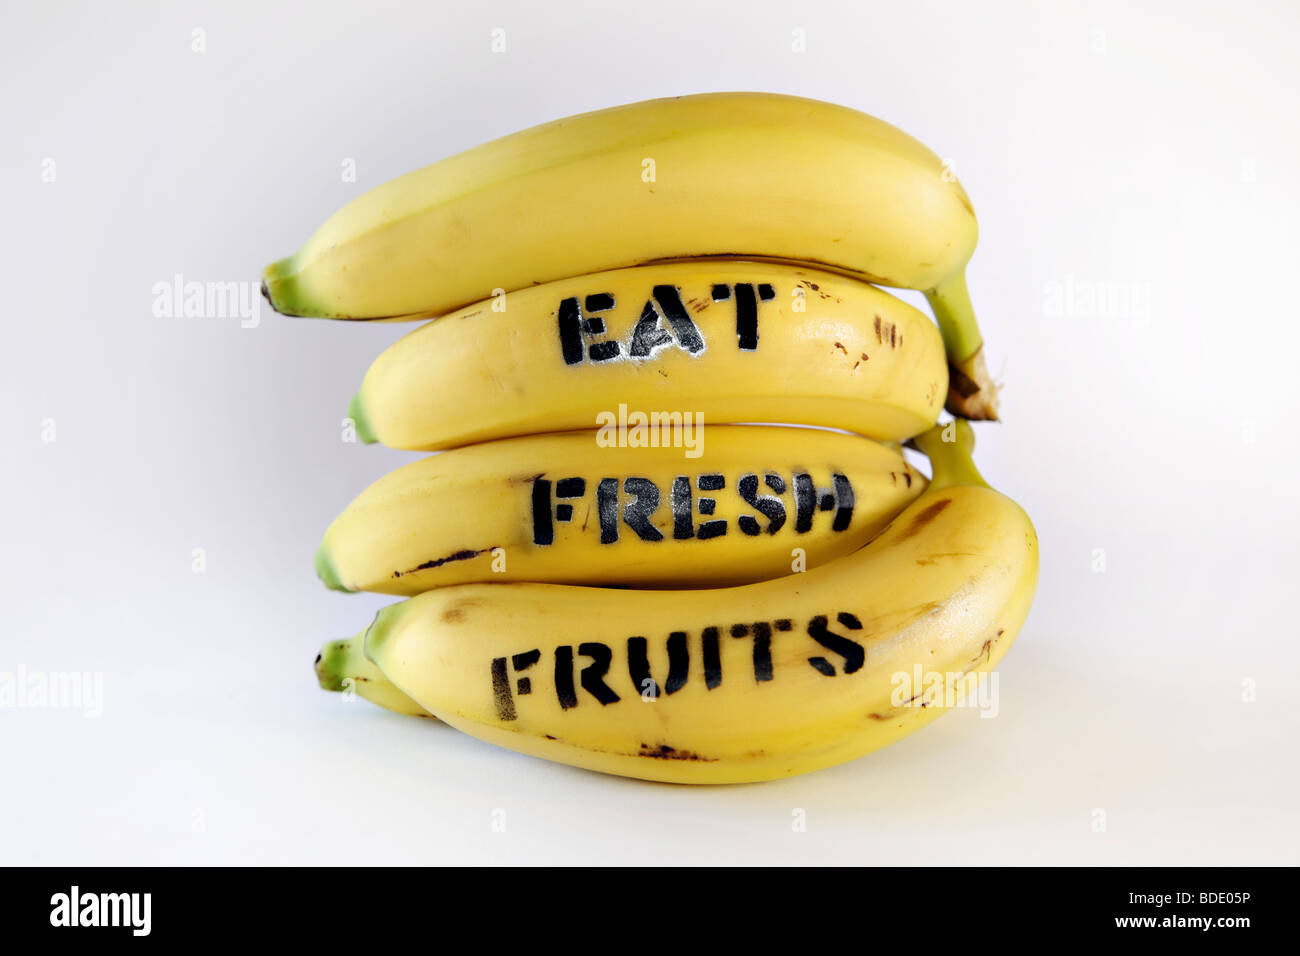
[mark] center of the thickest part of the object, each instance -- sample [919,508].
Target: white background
[1132,149]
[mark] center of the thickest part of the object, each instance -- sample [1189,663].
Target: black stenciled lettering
[762,651]
[637,512]
[718,527]
[683,527]
[501,690]
[573,328]
[564,690]
[748,488]
[761,631]
[853,653]
[769,506]
[520,662]
[543,529]
[711,529]
[746,317]
[670,301]
[570,317]
[570,487]
[721,293]
[594,673]
[710,657]
[638,664]
[805,503]
[679,662]
[765,292]
[646,334]
[843,502]
[567,488]
[594,325]
[607,508]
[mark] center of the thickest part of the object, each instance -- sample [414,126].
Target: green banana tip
[377,634]
[356,412]
[325,571]
[277,284]
[277,269]
[326,664]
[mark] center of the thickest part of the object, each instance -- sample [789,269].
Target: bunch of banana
[593,574]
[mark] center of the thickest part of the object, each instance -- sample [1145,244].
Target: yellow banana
[718,174]
[342,666]
[721,686]
[733,341]
[730,506]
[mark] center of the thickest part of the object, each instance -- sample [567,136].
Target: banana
[744,684]
[733,341]
[342,666]
[711,175]
[727,508]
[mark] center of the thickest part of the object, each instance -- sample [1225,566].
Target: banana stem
[950,302]
[949,447]
[971,392]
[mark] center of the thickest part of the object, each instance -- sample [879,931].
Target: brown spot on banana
[665,752]
[456,612]
[934,558]
[439,562]
[924,518]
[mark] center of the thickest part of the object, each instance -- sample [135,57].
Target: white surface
[1153,149]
